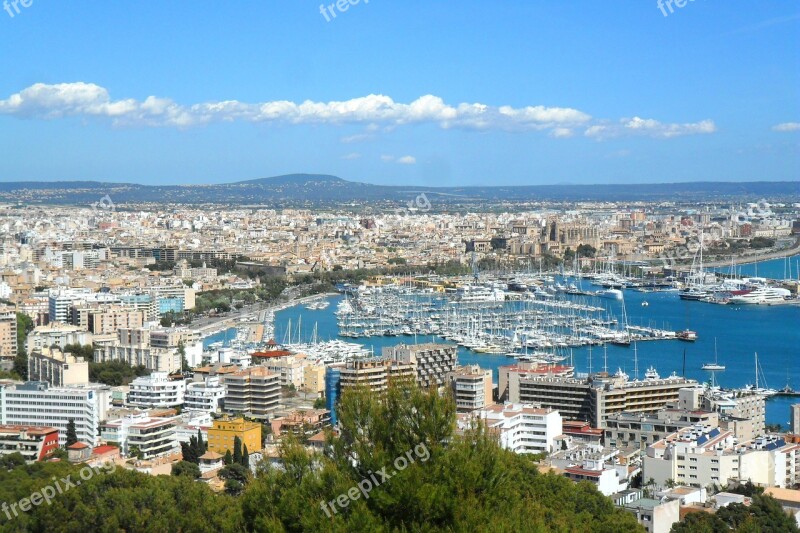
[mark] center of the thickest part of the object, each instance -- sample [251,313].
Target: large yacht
[765,296]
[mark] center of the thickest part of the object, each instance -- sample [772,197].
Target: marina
[554,319]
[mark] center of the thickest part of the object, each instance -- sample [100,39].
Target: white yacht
[611,294]
[765,296]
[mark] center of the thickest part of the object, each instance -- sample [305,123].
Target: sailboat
[715,366]
[756,388]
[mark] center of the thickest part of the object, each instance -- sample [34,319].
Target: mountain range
[319,190]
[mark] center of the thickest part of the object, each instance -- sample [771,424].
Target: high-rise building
[255,391]
[796,419]
[8,334]
[432,360]
[593,399]
[35,403]
[472,387]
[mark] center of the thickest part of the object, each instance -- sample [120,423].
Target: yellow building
[222,434]
[314,379]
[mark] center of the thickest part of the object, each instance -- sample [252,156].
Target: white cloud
[562,133]
[649,128]
[787,126]
[376,113]
[387,158]
[351,156]
[407,160]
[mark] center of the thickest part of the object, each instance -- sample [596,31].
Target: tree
[188,452]
[72,433]
[21,364]
[237,450]
[245,457]
[134,451]
[202,447]
[186,469]
[236,478]
[182,353]
[700,522]
[228,459]
[455,482]
[319,403]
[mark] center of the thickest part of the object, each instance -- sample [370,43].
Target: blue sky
[413,92]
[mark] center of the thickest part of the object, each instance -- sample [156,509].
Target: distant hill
[317,189]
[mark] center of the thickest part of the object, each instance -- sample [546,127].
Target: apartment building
[207,395]
[291,369]
[152,437]
[59,302]
[623,430]
[520,428]
[156,390]
[743,412]
[314,379]
[795,410]
[186,295]
[133,347]
[34,443]
[8,334]
[255,391]
[35,403]
[57,334]
[596,469]
[222,435]
[374,373]
[472,387]
[433,361]
[143,302]
[107,320]
[701,455]
[57,368]
[594,398]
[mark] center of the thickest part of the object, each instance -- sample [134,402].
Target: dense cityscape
[381,267]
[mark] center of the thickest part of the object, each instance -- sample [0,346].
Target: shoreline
[792,251]
[232,321]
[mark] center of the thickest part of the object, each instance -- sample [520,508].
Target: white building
[521,428]
[700,456]
[156,390]
[153,437]
[207,395]
[36,404]
[190,422]
[596,470]
[60,301]
[58,334]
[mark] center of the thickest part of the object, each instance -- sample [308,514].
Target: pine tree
[72,433]
[237,450]
[245,457]
[202,445]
